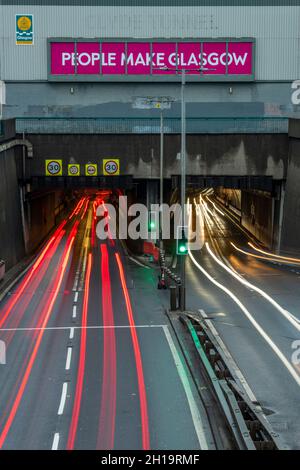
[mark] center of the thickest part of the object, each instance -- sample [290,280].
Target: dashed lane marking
[63,399]
[55,441]
[74,311]
[95,327]
[69,357]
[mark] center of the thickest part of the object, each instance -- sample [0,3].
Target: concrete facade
[12,245]
[233,154]
[291,212]
[24,68]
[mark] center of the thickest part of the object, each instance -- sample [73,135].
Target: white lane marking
[69,357]
[186,385]
[260,330]
[295,318]
[283,312]
[72,331]
[63,398]
[138,262]
[95,327]
[76,297]
[74,311]
[55,441]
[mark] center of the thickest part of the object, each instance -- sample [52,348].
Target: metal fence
[109,125]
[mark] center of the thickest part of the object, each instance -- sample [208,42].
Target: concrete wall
[42,215]
[258,216]
[255,210]
[44,99]
[290,241]
[235,154]
[23,226]
[11,232]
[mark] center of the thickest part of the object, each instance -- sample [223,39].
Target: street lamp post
[161,175]
[183,185]
[183,169]
[161,103]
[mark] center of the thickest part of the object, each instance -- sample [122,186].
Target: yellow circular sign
[24,23]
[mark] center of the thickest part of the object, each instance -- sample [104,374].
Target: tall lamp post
[183,170]
[161,103]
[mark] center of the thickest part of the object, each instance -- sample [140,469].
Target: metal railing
[149,125]
[246,420]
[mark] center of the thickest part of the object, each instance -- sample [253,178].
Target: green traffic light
[152,224]
[182,249]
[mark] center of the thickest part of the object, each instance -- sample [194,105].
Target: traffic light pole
[161,178]
[183,188]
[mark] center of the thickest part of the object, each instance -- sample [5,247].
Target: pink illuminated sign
[100,59]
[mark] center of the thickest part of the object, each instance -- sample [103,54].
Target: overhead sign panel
[224,59]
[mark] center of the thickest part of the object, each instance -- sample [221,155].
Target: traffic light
[182,241]
[152,221]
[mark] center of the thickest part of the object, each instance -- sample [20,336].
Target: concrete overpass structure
[262,164]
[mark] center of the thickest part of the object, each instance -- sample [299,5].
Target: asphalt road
[261,339]
[91,362]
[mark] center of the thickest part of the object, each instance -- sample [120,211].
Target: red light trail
[138,359]
[56,236]
[106,432]
[81,367]
[46,313]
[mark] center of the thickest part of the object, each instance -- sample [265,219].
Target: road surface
[257,333]
[91,360]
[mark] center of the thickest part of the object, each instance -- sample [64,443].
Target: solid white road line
[256,325]
[138,262]
[76,297]
[186,385]
[55,441]
[96,327]
[74,311]
[63,398]
[69,357]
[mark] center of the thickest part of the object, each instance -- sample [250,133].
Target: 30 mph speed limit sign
[111,167]
[53,167]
